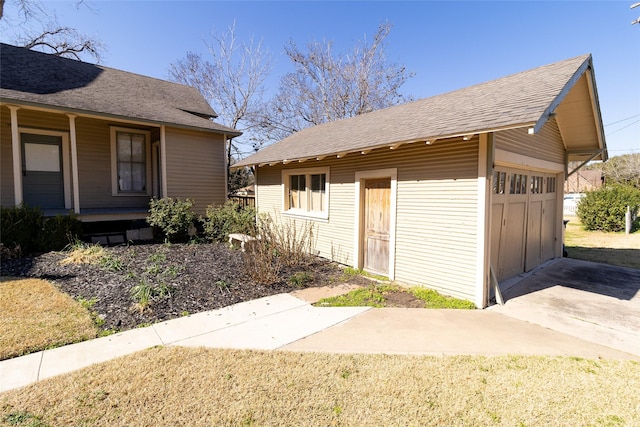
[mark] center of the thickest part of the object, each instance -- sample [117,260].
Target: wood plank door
[376,233]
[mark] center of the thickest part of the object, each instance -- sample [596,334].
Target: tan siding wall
[196,167]
[436,211]
[94,158]
[545,145]
[94,167]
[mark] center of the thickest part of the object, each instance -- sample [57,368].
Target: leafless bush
[283,244]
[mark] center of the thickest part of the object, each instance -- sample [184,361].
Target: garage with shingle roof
[446,192]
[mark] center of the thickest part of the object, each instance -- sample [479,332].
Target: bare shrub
[291,243]
[279,245]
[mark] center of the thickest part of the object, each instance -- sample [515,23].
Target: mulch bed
[202,277]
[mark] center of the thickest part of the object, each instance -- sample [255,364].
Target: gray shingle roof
[36,78]
[523,99]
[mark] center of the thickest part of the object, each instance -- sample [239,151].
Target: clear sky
[448,45]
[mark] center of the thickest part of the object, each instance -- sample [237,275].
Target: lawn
[598,246]
[198,387]
[34,316]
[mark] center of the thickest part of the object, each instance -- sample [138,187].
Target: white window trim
[286,173]
[114,163]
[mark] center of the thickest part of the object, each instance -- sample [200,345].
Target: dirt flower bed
[195,278]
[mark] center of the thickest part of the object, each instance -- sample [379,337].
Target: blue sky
[448,45]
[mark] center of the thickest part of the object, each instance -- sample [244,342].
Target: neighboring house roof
[526,99]
[40,79]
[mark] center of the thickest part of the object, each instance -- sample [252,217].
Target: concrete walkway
[288,322]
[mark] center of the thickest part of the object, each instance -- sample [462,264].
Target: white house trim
[74,164]
[17,161]
[66,173]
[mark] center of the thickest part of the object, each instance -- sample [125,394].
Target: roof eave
[391,145]
[230,133]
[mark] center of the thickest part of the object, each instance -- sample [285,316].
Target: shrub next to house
[605,209]
[220,221]
[173,217]
[26,229]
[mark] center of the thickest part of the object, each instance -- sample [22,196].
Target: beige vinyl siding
[436,210]
[545,145]
[196,167]
[94,167]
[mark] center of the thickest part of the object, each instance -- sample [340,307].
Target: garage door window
[518,184]
[499,182]
[551,184]
[537,185]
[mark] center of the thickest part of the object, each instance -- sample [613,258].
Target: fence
[244,201]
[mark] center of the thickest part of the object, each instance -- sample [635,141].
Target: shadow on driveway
[595,302]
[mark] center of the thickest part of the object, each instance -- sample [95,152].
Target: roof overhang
[391,145]
[105,116]
[577,113]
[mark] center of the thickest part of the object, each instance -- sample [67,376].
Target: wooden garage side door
[377,210]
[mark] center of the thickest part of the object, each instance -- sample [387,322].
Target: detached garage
[446,191]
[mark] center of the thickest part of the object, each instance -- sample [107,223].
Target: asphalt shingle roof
[521,99]
[36,78]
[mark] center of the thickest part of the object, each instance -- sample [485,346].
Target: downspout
[17,155]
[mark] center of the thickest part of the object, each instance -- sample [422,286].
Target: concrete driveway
[598,303]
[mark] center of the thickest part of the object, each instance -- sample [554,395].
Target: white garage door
[523,220]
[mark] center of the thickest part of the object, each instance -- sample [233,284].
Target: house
[443,191]
[102,142]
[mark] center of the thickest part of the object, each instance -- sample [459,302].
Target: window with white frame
[130,161]
[306,191]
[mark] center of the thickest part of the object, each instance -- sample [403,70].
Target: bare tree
[232,81]
[37,28]
[326,86]
[623,169]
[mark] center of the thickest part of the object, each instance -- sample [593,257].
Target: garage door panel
[523,221]
[534,235]
[548,229]
[513,254]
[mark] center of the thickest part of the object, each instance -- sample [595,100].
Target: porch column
[163,161]
[74,163]
[17,155]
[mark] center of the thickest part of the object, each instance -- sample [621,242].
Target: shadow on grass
[621,257]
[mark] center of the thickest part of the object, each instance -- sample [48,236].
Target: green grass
[433,299]
[375,296]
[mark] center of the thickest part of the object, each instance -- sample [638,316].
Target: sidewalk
[288,322]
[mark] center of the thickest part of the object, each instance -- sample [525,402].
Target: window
[499,182]
[518,184]
[537,185]
[129,161]
[306,191]
[551,184]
